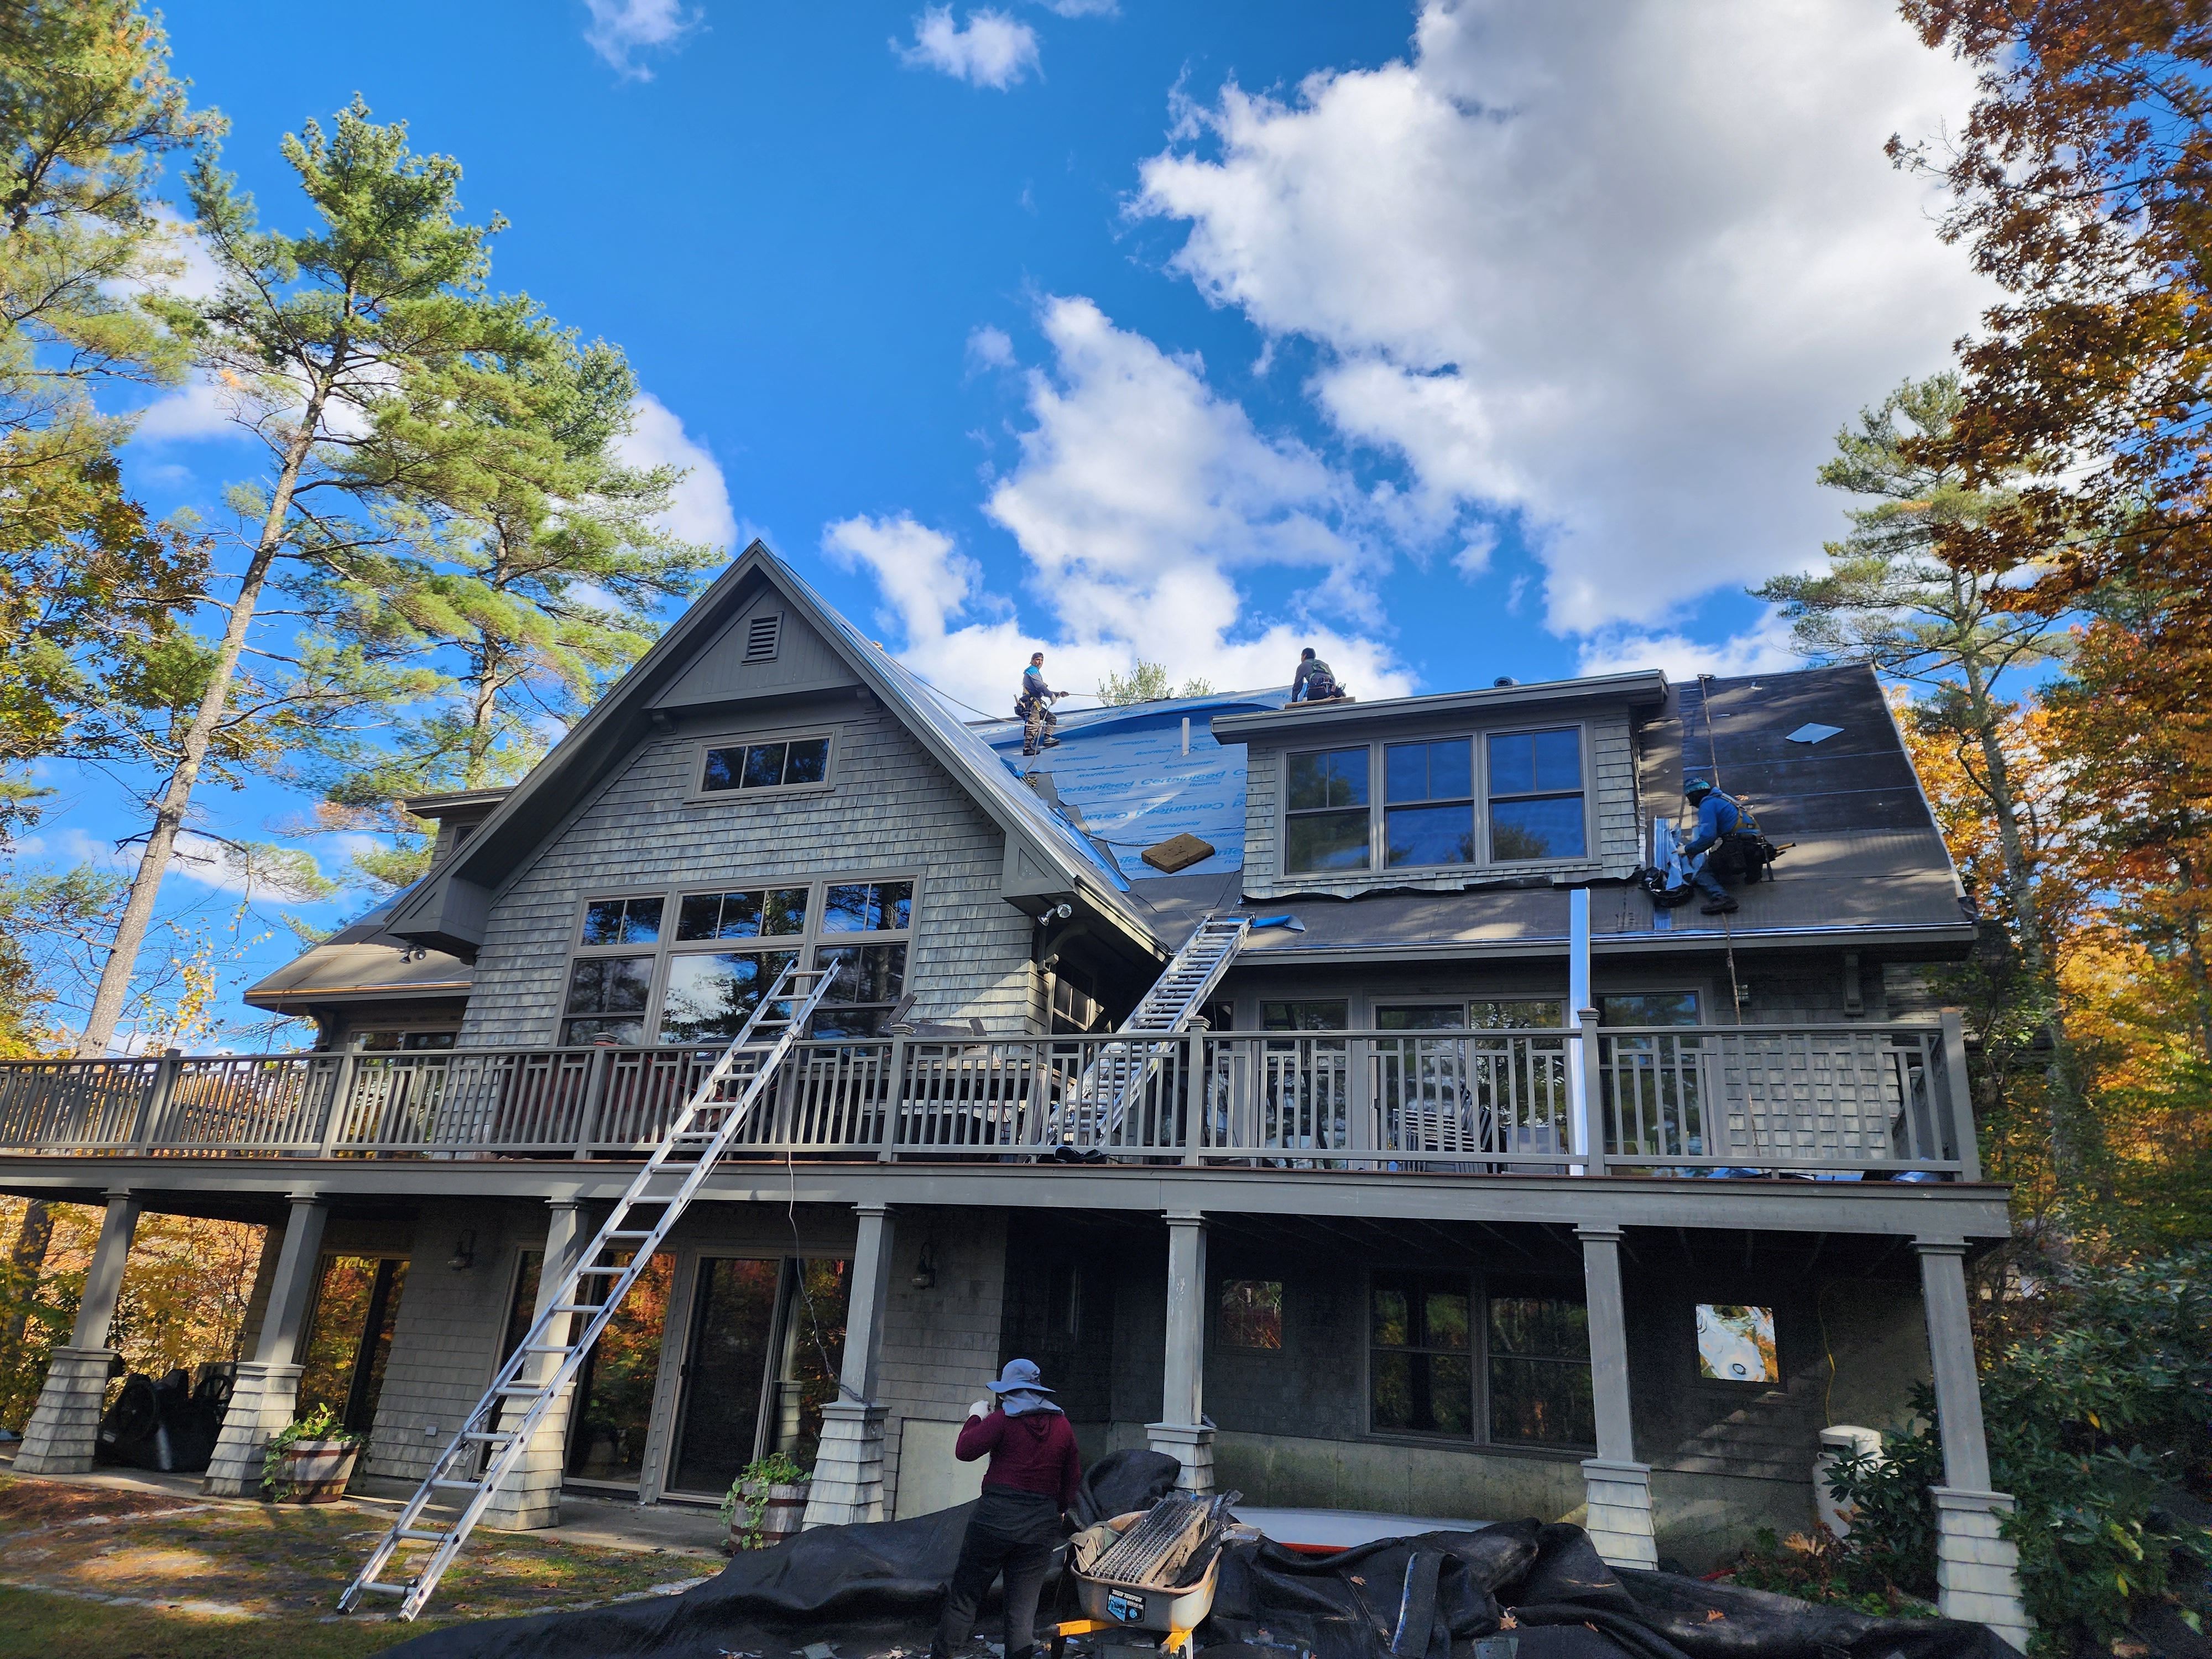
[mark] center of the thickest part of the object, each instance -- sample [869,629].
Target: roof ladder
[1116,1078]
[498,1433]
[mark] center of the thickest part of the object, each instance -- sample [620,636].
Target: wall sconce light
[925,1269]
[465,1253]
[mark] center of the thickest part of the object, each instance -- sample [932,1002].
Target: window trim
[1486,859]
[667,947]
[1479,1284]
[695,793]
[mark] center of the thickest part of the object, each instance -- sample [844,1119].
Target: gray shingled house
[1478,1187]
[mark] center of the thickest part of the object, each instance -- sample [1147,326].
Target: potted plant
[310,1460]
[765,1503]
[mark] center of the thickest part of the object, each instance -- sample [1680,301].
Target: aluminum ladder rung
[801,990]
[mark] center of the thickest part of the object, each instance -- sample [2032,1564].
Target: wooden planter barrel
[782,1511]
[316,1471]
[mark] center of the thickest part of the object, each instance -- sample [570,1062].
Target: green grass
[34,1625]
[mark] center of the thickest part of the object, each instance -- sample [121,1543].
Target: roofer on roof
[1314,679]
[1033,708]
[1718,816]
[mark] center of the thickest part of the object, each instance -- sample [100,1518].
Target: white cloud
[1619,269]
[990,49]
[990,347]
[1140,498]
[620,29]
[701,511]
[1082,7]
[199,410]
[1763,648]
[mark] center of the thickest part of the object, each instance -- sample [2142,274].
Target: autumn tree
[2080,185]
[87,111]
[1890,598]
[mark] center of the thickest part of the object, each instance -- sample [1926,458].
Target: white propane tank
[1842,1441]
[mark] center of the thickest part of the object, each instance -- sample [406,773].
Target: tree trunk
[2034,949]
[27,1259]
[115,974]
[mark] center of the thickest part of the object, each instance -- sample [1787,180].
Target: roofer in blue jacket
[1717,815]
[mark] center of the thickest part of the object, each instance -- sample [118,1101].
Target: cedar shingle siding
[892,808]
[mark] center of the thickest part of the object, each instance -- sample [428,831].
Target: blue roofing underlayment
[1121,776]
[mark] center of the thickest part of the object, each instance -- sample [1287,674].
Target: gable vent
[762,636]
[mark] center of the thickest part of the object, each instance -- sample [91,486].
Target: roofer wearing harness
[1034,708]
[1030,1482]
[1718,817]
[1314,679]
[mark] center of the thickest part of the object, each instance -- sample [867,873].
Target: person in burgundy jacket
[1016,1525]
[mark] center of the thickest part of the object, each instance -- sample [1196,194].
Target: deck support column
[530,1497]
[1183,1432]
[1617,1486]
[1977,1570]
[848,1469]
[266,1395]
[64,1424]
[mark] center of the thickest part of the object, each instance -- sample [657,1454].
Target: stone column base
[1620,1516]
[1977,1570]
[65,1423]
[848,1487]
[1190,1444]
[529,1500]
[262,1402]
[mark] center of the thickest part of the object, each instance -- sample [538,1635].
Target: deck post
[848,1469]
[1960,1094]
[65,1423]
[347,1067]
[530,1497]
[267,1392]
[1977,1569]
[162,1088]
[596,1083]
[1183,1432]
[1619,1488]
[894,1100]
[1586,1083]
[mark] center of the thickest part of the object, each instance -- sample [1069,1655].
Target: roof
[448,909]
[1127,779]
[361,961]
[1864,861]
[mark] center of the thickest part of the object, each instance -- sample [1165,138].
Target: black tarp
[868,1589]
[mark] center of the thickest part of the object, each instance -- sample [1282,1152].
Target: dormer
[457,814]
[1512,785]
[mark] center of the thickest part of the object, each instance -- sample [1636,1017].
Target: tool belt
[1742,856]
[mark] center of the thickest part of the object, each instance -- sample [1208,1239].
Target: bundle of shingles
[1157,1551]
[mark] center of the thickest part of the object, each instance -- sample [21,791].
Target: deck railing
[1851,1100]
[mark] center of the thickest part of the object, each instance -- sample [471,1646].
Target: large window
[1429,793]
[704,976]
[1328,824]
[1501,797]
[1505,1363]
[1536,795]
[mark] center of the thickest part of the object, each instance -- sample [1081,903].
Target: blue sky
[1460,340]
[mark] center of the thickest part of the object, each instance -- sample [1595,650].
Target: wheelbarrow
[1108,1605]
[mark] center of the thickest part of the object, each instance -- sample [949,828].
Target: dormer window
[1536,794]
[1495,797]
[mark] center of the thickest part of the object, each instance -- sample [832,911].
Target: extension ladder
[499,1431]
[1103,1094]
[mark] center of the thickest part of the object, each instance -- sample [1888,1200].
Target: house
[1480,1188]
